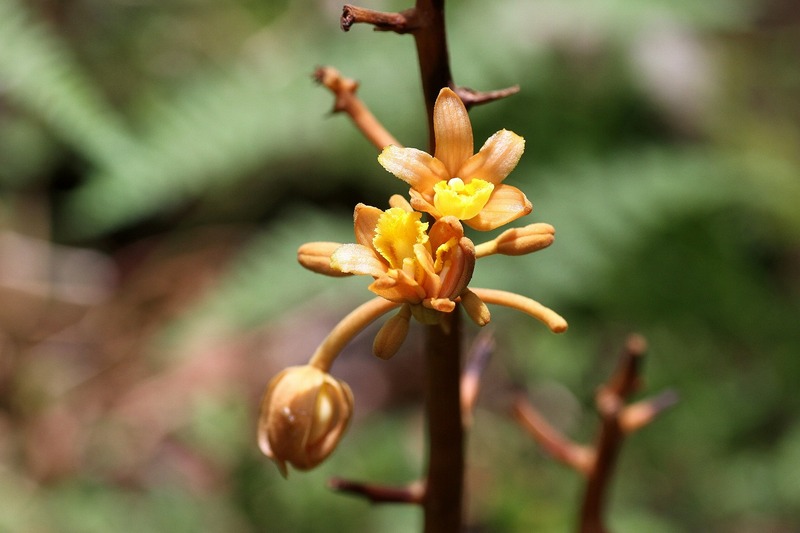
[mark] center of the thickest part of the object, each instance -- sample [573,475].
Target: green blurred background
[160,162]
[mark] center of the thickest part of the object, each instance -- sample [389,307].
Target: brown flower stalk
[446,406]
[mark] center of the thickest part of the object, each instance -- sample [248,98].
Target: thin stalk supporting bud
[347,328]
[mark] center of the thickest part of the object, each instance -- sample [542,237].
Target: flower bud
[475,308]
[392,334]
[316,256]
[519,241]
[304,413]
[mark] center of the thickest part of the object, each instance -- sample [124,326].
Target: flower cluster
[421,267]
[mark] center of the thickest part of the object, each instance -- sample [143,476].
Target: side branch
[344,89]
[403,22]
[471,97]
[562,449]
[618,419]
[611,399]
[413,493]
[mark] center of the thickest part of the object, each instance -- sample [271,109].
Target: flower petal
[365,221]
[496,159]
[443,230]
[507,203]
[397,286]
[455,256]
[421,203]
[357,259]
[458,273]
[417,168]
[316,256]
[443,305]
[398,201]
[429,280]
[452,131]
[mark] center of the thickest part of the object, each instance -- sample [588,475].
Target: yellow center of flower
[396,233]
[459,199]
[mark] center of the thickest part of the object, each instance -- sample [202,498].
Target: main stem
[443,503]
[445,480]
[434,62]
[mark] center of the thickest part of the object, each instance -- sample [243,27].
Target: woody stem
[445,479]
[434,62]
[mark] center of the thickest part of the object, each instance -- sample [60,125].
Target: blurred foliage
[160,162]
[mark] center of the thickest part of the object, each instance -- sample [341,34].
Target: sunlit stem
[349,327]
[550,318]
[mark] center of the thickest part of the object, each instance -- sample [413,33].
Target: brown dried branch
[414,493]
[477,360]
[348,102]
[403,22]
[610,401]
[618,420]
[562,449]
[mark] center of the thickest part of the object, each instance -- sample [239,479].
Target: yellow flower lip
[438,181]
[396,233]
[461,200]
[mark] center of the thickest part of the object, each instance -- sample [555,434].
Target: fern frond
[39,73]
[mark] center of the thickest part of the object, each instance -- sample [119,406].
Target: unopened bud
[519,241]
[392,334]
[475,308]
[304,413]
[316,256]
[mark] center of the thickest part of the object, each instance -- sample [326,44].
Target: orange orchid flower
[454,181]
[410,264]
